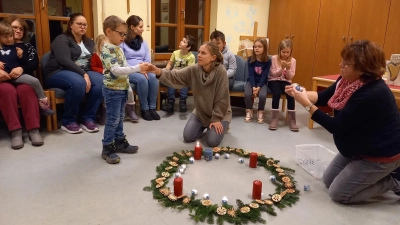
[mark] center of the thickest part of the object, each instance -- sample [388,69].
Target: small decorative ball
[272,178]
[178,174]
[194,192]
[217,155]
[191,160]
[181,170]
[206,196]
[183,166]
[224,200]
[307,187]
[241,160]
[226,156]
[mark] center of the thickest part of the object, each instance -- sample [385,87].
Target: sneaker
[72,128]
[169,106]
[109,154]
[45,107]
[123,146]
[146,115]
[182,106]
[154,114]
[90,127]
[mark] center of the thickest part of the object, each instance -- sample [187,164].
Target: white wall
[236,17]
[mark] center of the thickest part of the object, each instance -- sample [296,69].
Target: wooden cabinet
[392,38]
[303,34]
[333,29]
[279,23]
[320,29]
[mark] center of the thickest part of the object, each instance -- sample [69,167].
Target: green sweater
[210,91]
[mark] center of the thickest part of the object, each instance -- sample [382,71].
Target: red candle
[253,160]
[178,185]
[198,151]
[257,187]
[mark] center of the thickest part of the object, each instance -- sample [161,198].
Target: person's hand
[143,69]
[219,129]
[255,91]
[16,72]
[153,69]
[88,83]
[19,52]
[288,65]
[4,76]
[300,96]
[2,65]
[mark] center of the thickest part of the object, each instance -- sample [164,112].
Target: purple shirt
[135,57]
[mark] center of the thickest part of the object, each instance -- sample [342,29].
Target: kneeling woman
[209,83]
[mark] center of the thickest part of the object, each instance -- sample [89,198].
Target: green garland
[285,194]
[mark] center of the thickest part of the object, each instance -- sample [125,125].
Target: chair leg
[54,107]
[284,104]
[158,99]
[48,118]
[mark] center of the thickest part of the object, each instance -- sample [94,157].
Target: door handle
[184,13]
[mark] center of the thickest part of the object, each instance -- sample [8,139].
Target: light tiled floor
[66,182]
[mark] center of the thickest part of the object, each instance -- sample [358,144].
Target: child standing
[12,59]
[229,58]
[259,66]
[115,89]
[96,65]
[180,59]
[282,72]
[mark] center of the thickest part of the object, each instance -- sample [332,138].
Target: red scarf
[344,90]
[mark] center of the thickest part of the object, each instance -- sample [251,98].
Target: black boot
[123,146]
[182,105]
[146,115]
[109,154]
[169,106]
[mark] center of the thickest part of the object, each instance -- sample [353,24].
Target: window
[173,19]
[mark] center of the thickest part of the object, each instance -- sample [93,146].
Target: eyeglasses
[122,34]
[84,25]
[18,28]
[344,64]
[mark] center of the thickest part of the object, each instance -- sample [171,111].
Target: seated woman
[365,128]
[68,68]
[209,83]
[136,51]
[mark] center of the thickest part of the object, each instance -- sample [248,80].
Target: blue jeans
[147,89]
[115,101]
[75,90]
[183,93]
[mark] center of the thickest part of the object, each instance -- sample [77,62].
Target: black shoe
[123,146]
[182,106]
[109,154]
[154,114]
[146,115]
[169,106]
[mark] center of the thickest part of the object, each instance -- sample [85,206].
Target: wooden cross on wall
[254,37]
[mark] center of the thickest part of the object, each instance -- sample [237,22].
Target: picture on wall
[164,7]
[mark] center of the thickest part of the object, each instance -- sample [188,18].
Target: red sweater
[96,64]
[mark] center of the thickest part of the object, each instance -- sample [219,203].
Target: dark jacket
[369,123]
[32,58]
[258,72]
[64,52]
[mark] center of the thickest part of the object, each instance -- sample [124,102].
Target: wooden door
[392,38]
[368,20]
[333,28]
[279,23]
[304,34]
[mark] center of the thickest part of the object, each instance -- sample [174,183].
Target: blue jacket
[258,72]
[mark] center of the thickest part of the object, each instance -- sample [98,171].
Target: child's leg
[122,145]
[290,99]
[275,88]
[248,95]
[131,97]
[262,96]
[115,105]
[291,111]
[34,82]
[183,94]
